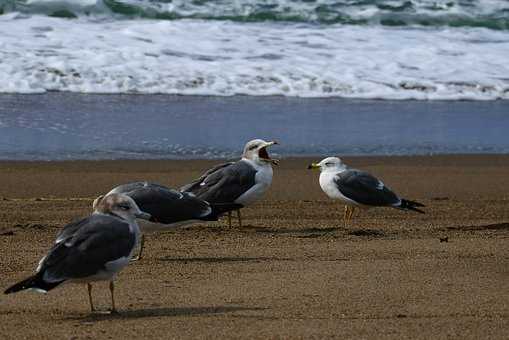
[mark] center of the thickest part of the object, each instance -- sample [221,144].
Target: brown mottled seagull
[93,249]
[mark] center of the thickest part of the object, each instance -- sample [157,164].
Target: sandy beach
[294,270]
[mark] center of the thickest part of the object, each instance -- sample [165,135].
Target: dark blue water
[57,126]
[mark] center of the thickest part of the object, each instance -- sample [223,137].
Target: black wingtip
[35,282]
[22,285]
[411,205]
[417,204]
[417,210]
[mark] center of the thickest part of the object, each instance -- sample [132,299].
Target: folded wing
[224,183]
[363,188]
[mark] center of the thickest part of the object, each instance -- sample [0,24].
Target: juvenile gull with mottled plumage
[93,249]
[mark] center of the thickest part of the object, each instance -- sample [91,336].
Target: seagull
[168,208]
[357,188]
[242,182]
[93,249]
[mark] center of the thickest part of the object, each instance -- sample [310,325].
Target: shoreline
[241,95]
[274,155]
[99,175]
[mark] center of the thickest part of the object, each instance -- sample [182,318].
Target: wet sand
[67,126]
[294,270]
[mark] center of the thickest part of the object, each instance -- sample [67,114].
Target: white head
[120,205]
[328,164]
[256,150]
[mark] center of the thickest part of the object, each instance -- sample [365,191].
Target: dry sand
[293,271]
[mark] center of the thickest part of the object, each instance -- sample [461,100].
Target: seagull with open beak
[242,182]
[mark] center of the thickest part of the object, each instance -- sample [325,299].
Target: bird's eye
[124,207]
[252,147]
[329,164]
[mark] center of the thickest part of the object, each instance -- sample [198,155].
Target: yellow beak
[314,166]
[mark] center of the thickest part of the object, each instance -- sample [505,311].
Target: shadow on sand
[282,231]
[495,226]
[164,312]
[314,232]
[224,259]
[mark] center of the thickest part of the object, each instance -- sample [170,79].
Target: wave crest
[492,15]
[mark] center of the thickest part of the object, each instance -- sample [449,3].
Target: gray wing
[99,240]
[195,185]
[364,188]
[129,187]
[164,204]
[69,229]
[224,183]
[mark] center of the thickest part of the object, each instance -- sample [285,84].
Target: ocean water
[371,49]
[61,126]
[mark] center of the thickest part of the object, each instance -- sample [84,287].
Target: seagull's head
[256,150]
[328,164]
[120,205]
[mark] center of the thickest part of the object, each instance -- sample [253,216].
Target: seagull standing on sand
[168,208]
[242,182]
[357,188]
[93,249]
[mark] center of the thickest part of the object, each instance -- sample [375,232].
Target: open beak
[264,155]
[313,166]
[143,215]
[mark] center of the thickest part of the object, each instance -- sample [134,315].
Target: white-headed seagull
[242,182]
[356,188]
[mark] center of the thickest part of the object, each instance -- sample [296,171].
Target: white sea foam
[92,55]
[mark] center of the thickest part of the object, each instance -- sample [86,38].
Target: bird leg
[89,288]
[229,219]
[142,243]
[345,213]
[112,291]
[350,213]
[240,218]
